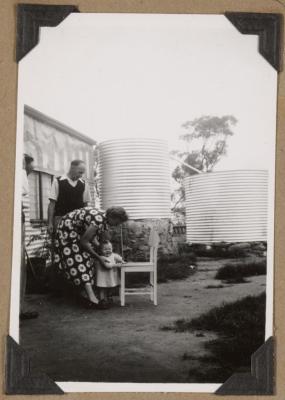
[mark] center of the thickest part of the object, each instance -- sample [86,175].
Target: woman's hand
[50,229]
[86,241]
[95,242]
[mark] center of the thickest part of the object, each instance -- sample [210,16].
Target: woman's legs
[76,269]
[90,293]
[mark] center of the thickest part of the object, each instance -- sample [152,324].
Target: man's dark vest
[69,198]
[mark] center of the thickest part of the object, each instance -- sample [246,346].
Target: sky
[144,75]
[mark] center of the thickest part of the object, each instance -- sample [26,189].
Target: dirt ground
[126,344]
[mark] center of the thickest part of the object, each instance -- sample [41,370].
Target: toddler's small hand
[120,264]
[105,259]
[105,263]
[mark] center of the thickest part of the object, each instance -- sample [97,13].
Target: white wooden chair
[148,266]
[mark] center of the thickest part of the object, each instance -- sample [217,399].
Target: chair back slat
[153,242]
[151,267]
[154,238]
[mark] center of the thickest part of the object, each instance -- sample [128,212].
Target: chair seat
[134,263]
[138,267]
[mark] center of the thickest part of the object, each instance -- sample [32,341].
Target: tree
[208,136]
[96,170]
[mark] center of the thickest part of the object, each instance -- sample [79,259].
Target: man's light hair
[75,163]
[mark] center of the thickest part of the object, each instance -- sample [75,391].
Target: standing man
[28,166]
[68,192]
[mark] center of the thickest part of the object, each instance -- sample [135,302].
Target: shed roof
[56,124]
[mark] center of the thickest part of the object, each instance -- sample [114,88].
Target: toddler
[108,278]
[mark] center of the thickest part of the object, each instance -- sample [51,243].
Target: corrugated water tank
[134,174]
[228,206]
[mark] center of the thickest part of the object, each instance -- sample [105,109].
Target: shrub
[220,250]
[169,267]
[185,248]
[37,281]
[240,270]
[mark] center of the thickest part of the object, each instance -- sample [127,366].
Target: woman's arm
[85,242]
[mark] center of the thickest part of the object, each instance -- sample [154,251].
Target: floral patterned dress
[70,258]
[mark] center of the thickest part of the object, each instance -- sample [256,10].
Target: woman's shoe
[101,305]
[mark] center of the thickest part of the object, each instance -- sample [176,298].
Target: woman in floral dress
[74,252]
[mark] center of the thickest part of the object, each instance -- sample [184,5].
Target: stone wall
[133,238]
[179,238]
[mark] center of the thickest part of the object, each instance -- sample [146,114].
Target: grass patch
[168,268]
[228,250]
[165,328]
[215,286]
[220,250]
[207,375]
[240,270]
[236,281]
[175,267]
[243,315]
[241,329]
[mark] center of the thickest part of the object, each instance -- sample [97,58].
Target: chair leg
[155,294]
[155,288]
[122,288]
[151,281]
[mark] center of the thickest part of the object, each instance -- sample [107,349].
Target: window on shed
[46,184]
[34,195]
[39,188]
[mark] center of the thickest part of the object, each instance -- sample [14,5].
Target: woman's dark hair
[118,213]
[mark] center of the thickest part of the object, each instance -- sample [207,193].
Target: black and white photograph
[144,202]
